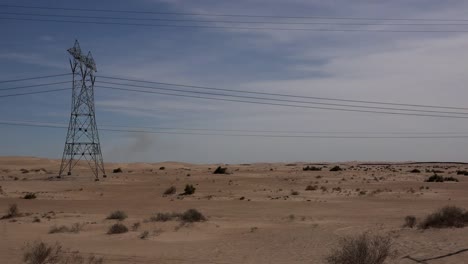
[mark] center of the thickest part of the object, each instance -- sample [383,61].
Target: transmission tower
[82,140]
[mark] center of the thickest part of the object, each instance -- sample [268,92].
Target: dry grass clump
[192,215]
[410,221]
[75,228]
[169,191]
[29,196]
[12,212]
[361,249]
[189,190]
[336,168]
[311,187]
[118,170]
[437,178]
[220,170]
[189,216]
[311,168]
[415,171]
[39,252]
[117,228]
[448,216]
[117,215]
[164,217]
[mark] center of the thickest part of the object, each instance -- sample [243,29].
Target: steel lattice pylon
[82,140]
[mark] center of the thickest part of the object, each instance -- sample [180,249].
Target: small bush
[415,171]
[463,172]
[192,215]
[144,235]
[118,170]
[311,188]
[451,179]
[41,253]
[294,193]
[30,196]
[12,211]
[435,178]
[136,226]
[171,190]
[448,216]
[117,228]
[189,189]
[117,215]
[410,221]
[361,249]
[311,168]
[336,168]
[220,170]
[164,217]
[162,168]
[75,228]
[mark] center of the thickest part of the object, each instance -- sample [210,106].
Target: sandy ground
[268,225]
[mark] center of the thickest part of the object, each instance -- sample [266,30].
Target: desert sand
[253,214]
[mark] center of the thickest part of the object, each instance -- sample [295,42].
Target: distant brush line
[229,15]
[247,135]
[34,78]
[235,21]
[285,100]
[232,27]
[286,105]
[243,130]
[280,94]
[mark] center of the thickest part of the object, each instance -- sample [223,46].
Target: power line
[245,135]
[284,100]
[250,130]
[29,86]
[283,95]
[232,27]
[34,78]
[229,15]
[38,92]
[279,104]
[236,21]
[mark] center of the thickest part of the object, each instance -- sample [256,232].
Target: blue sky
[423,68]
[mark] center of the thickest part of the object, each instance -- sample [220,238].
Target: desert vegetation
[39,252]
[117,215]
[361,249]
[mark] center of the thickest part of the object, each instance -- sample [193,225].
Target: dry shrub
[39,252]
[75,228]
[169,191]
[117,229]
[164,217]
[448,216]
[192,215]
[29,196]
[361,249]
[220,170]
[410,221]
[189,189]
[12,211]
[117,215]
